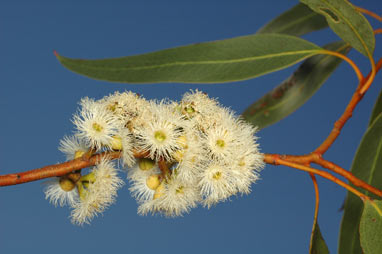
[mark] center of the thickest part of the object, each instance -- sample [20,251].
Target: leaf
[318,245]
[210,62]
[297,21]
[296,90]
[377,108]
[370,228]
[366,166]
[347,23]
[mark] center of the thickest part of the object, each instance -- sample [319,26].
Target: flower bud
[146,164]
[159,191]
[153,182]
[66,184]
[116,143]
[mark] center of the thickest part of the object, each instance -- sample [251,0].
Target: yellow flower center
[112,107]
[189,109]
[217,175]
[180,190]
[160,136]
[220,143]
[241,162]
[97,127]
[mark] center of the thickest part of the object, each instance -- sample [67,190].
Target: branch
[315,158]
[277,161]
[339,124]
[54,170]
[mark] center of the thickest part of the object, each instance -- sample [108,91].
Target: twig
[54,170]
[370,13]
[277,161]
[339,124]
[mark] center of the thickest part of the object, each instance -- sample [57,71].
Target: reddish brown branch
[274,160]
[339,124]
[315,158]
[54,170]
[348,175]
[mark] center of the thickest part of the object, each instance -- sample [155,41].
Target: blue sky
[38,97]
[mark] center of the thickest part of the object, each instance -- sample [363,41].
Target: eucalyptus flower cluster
[176,155]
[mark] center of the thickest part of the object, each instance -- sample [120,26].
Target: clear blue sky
[38,97]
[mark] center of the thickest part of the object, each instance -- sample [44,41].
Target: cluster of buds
[176,155]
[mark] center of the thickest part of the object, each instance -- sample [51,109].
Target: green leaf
[367,166]
[296,90]
[210,62]
[370,228]
[347,23]
[377,108]
[297,21]
[317,242]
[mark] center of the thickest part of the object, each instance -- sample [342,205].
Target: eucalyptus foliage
[275,46]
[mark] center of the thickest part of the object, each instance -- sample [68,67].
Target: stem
[54,170]
[315,158]
[338,125]
[378,31]
[348,175]
[348,60]
[370,80]
[278,161]
[370,13]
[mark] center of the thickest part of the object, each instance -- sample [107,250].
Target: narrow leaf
[367,166]
[210,62]
[318,245]
[347,23]
[296,90]
[377,108]
[371,228]
[297,21]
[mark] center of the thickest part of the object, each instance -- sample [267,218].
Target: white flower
[57,195]
[250,161]
[97,190]
[178,198]
[95,124]
[159,135]
[175,199]
[128,107]
[221,140]
[72,147]
[142,182]
[197,106]
[216,183]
